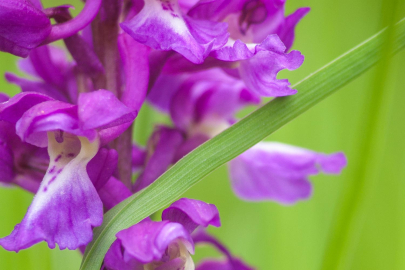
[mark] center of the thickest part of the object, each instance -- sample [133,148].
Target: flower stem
[105,30]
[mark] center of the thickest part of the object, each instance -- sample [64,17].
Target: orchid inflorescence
[67,137]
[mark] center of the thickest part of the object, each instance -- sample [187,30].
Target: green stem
[105,31]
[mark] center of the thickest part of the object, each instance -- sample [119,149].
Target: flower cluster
[67,137]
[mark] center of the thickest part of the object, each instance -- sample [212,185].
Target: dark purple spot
[70,155]
[45,189]
[166,5]
[59,136]
[52,179]
[59,171]
[58,157]
[52,169]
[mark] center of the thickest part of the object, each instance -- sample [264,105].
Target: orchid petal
[136,67]
[101,109]
[163,144]
[286,32]
[198,106]
[50,63]
[138,157]
[34,86]
[102,166]
[189,145]
[14,108]
[148,240]
[161,26]
[22,27]
[216,10]
[21,164]
[48,116]
[279,172]
[3,97]
[114,259]
[260,73]
[192,213]
[163,91]
[113,192]
[66,206]
[6,161]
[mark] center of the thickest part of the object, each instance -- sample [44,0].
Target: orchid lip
[66,206]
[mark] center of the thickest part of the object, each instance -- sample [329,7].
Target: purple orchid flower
[67,205]
[113,192]
[163,25]
[195,101]
[251,21]
[21,164]
[268,171]
[51,72]
[25,165]
[162,245]
[257,49]
[198,113]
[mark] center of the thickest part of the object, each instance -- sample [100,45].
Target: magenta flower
[21,163]
[162,245]
[162,25]
[67,205]
[252,21]
[257,49]
[195,101]
[268,171]
[51,74]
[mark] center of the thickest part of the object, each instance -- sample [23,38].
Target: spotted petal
[66,206]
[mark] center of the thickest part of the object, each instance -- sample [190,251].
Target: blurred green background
[364,119]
